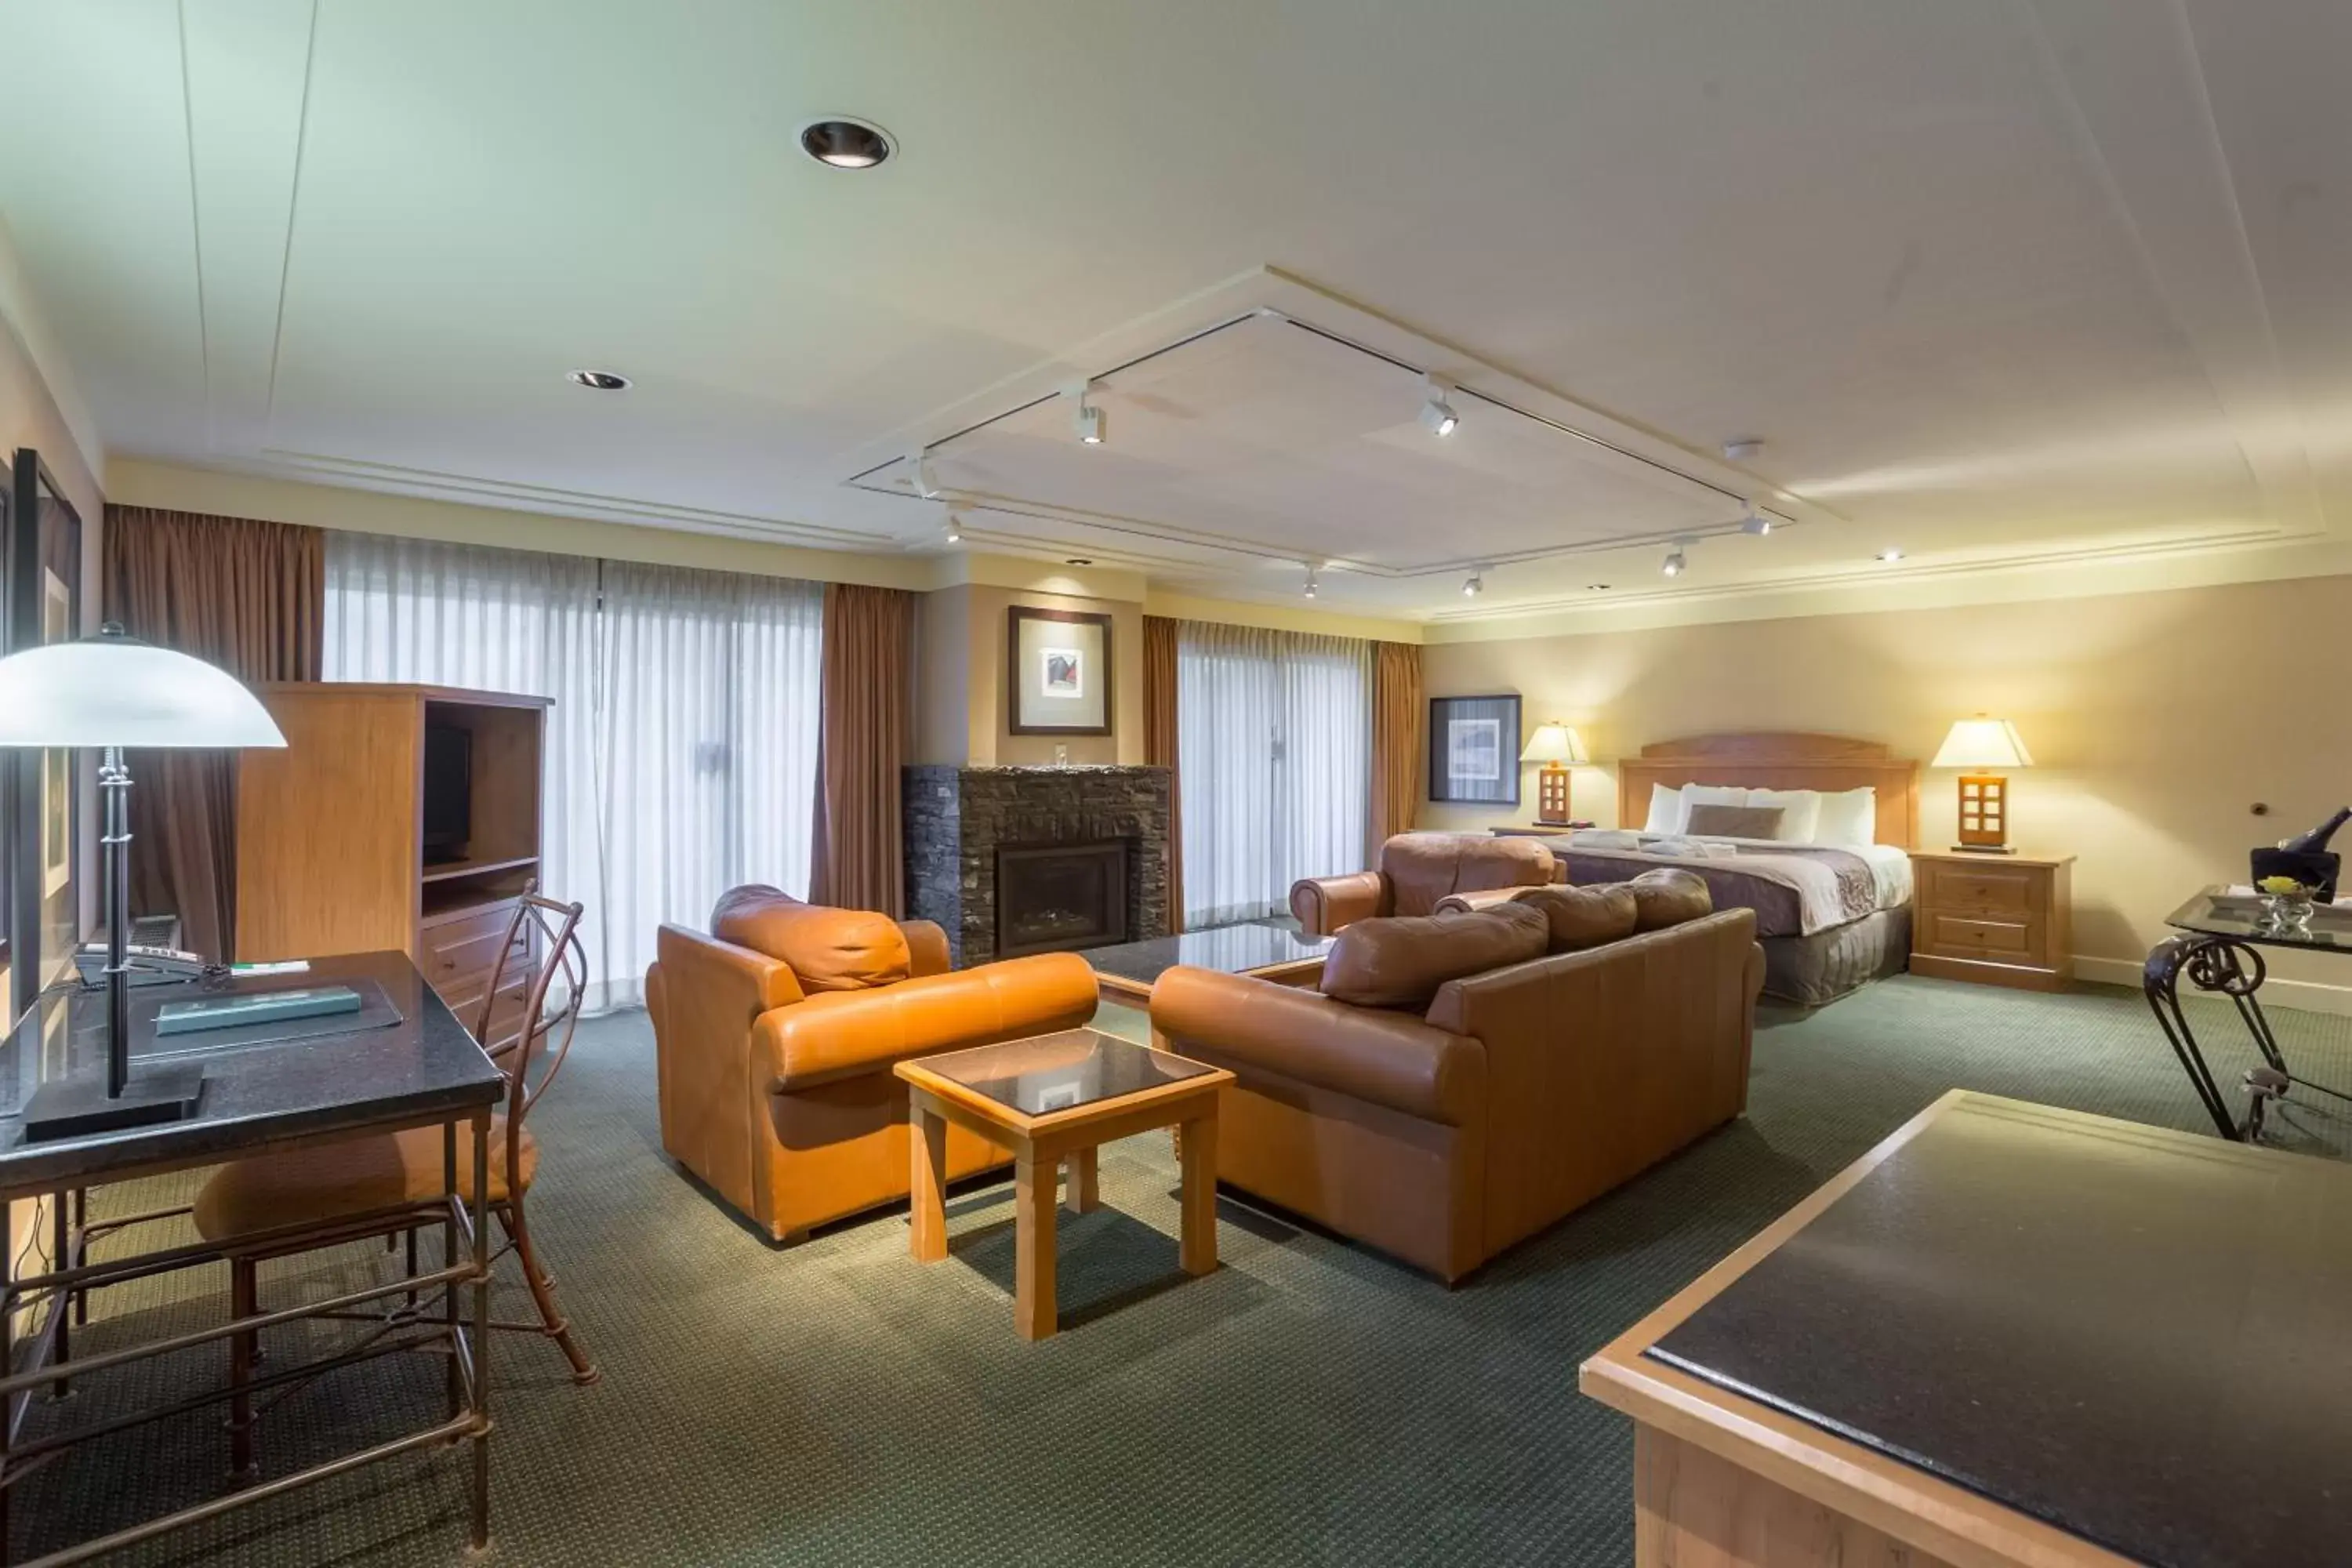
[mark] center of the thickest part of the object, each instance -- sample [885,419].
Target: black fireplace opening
[1059,898]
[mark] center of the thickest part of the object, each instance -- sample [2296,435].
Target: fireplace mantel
[956,818]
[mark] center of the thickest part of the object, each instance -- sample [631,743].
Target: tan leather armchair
[1416,871]
[776,1036]
[1444,1129]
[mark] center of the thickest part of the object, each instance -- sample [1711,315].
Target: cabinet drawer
[469,944]
[463,994]
[1969,936]
[1999,891]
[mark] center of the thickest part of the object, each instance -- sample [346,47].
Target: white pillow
[1665,810]
[1800,811]
[1848,816]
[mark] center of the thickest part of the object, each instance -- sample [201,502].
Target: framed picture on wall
[44,592]
[1474,750]
[1057,672]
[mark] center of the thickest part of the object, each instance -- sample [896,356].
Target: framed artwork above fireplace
[1058,677]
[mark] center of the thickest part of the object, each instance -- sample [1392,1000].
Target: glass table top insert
[1061,1072]
[2240,915]
[1230,950]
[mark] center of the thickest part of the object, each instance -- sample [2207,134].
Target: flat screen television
[448,792]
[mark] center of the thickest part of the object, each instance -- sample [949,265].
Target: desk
[2008,1335]
[422,1070]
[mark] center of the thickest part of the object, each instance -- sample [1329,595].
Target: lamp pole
[114,780]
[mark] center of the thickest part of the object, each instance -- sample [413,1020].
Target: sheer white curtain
[681,748]
[1273,754]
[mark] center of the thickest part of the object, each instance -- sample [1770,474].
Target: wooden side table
[1049,1100]
[1998,919]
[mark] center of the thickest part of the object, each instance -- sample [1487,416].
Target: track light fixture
[1474,585]
[1091,425]
[1313,584]
[1437,415]
[1676,562]
[1758,523]
[925,477]
[1891,554]
[953,533]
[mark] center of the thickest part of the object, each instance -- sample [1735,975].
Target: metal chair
[403,1166]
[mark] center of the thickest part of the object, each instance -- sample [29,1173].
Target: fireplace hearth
[1060,898]
[1013,860]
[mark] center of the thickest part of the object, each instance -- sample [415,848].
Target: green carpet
[1311,1402]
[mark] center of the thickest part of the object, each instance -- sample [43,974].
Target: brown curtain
[250,597]
[1399,749]
[869,664]
[1160,746]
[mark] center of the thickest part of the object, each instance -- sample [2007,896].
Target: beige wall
[962,712]
[2156,718]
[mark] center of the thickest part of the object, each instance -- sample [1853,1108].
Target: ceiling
[1996,284]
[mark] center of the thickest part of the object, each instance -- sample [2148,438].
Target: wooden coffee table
[1048,1100]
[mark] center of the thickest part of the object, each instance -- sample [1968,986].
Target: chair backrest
[540,925]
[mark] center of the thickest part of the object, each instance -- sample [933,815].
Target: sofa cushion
[826,949]
[1422,867]
[1667,897]
[1585,917]
[1399,961]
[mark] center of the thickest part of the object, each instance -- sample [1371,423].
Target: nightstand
[1998,919]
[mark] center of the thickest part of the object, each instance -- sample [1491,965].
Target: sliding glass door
[1274,760]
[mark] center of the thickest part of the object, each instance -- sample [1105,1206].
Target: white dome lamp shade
[112,691]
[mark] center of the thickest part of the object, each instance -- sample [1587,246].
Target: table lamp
[1977,744]
[1557,748]
[111,692]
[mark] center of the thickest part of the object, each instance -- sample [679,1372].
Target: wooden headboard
[1770,759]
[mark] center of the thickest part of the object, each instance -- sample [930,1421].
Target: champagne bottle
[2315,841]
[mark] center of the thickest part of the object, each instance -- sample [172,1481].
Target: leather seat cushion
[1399,961]
[826,949]
[1667,897]
[1422,867]
[1585,917]
[327,1181]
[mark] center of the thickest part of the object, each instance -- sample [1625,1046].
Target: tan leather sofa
[774,1038]
[1488,1081]
[1416,871]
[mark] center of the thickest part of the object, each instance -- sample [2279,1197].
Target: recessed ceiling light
[1891,553]
[598,380]
[1596,587]
[1743,448]
[1077,561]
[843,143]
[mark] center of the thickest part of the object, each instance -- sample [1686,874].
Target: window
[681,748]
[1274,756]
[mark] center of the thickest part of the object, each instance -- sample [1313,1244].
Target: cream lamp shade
[1982,742]
[115,690]
[1555,743]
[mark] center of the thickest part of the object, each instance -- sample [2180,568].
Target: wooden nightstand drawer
[1993,890]
[1971,936]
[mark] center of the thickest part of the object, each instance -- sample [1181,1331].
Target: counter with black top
[2011,1334]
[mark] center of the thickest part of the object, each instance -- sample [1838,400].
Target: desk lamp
[1978,745]
[1557,748]
[111,692]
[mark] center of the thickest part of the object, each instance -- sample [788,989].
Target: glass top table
[2240,916]
[1060,1072]
[1129,970]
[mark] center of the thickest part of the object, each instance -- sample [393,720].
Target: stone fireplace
[1037,859]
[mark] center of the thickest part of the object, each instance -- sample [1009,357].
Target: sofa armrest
[1391,1059]
[1483,899]
[927,948]
[841,1034]
[1323,904]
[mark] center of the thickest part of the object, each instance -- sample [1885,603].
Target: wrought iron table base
[2233,969]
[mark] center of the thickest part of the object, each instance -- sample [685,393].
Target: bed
[1831,917]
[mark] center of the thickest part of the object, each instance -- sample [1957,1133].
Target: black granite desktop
[2137,1336]
[402,1061]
